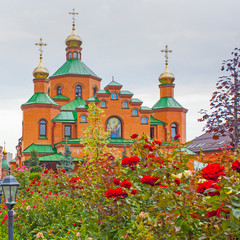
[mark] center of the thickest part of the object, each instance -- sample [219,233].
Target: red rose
[27,189]
[151,156]
[194,215]
[177,181]
[176,137]
[236,166]
[213,213]
[45,171]
[115,193]
[134,135]
[212,171]
[178,192]
[126,184]
[149,180]
[130,161]
[31,192]
[157,142]
[202,187]
[116,181]
[63,170]
[134,192]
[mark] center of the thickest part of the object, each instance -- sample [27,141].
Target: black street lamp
[9,188]
[1,192]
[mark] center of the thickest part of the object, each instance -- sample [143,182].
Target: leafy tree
[67,162]
[224,104]
[96,139]
[34,162]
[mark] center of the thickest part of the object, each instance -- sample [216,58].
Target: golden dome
[40,71]
[4,152]
[166,77]
[73,40]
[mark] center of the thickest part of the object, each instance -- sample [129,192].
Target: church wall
[31,118]
[69,82]
[173,115]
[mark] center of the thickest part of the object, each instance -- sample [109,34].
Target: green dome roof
[40,98]
[167,102]
[75,67]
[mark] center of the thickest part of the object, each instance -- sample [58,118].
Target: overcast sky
[121,39]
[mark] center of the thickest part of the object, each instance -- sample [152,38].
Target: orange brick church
[58,109]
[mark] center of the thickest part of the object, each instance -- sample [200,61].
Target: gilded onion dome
[166,77]
[4,151]
[40,71]
[73,40]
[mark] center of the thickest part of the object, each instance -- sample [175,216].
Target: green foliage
[34,162]
[36,175]
[67,162]
[96,139]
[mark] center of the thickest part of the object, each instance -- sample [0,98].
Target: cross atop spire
[40,44]
[73,13]
[166,54]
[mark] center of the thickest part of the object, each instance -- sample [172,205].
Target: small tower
[167,109]
[40,73]
[73,42]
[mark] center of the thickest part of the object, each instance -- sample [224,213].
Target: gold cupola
[166,77]
[4,151]
[73,40]
[40,72]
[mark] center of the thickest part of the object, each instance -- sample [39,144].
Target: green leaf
[236,213]
[235,202]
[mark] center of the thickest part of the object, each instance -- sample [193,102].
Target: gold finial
[40,71]
[166,54]
[40,44]
[73,18]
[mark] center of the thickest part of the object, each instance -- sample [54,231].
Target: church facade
[57,112]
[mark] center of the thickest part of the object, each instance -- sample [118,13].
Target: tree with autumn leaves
[225,102]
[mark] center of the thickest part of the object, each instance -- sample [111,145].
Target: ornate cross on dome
[166,54]
[40,44]
[73,18]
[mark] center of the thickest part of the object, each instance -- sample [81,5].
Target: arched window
[70,55]
[94,90]
[59,91]
[114,126]
[125,104]
[74,55]
[134,112]
[83,119]
[103,104]
[173,130]
[79,56]
[114,96]
[42,128]
[144,120]
[67,131]
[78,91]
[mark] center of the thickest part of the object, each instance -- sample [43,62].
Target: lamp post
[9,188]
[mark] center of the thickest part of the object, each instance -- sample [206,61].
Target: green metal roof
[145,108]
[114,83]
[154,121]
[167,102]
[66,117]
[120,141]
[71,141]
[4,164]
[73,105]
[60,97]
[40,148]
[55,157]
[76,67]
[125,92]
[136,100]
[93,99]
[40,98]
[101,91]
